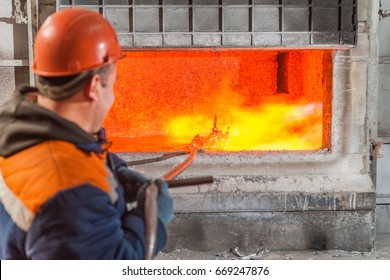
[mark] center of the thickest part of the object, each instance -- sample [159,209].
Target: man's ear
[92,88]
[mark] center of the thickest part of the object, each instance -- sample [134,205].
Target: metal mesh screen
[228,23]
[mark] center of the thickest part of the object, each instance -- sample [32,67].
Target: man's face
[106,96]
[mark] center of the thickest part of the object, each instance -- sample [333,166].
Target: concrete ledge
[312,230]
[283,193]
[280,201]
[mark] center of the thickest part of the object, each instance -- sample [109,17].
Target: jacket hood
[24,123]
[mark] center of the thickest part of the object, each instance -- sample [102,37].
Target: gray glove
[130,180]
[164,200]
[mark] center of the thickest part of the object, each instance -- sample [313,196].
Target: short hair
[61,88]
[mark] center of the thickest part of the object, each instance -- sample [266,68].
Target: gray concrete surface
[381,252]
[277,230]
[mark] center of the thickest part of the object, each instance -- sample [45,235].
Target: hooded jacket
[58,197]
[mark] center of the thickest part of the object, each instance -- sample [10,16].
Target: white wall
[7,76]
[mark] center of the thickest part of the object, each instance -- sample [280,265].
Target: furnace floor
[381,252]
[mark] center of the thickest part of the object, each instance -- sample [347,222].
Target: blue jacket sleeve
[82,223]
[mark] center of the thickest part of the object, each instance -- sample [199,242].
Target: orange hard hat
[72,41]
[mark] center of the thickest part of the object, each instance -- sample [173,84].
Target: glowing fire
[221,100]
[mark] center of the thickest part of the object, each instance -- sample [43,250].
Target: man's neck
[73,109]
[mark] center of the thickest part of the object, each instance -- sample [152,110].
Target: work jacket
[58,197]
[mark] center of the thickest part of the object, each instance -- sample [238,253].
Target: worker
[62,194]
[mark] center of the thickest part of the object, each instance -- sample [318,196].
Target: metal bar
[155,159]
[311,23]
[222,21]
[190,181]
[14,62]
[281,29]
[384,60]
[151,207]
[252,22]
[384,139]
[151,220]
[181,167]
[31,10]
[221,33]
[192,21]
[382,199]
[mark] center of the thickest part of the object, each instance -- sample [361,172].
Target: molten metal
[222,100]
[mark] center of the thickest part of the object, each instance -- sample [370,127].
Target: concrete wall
[383,192]
[7,73]
[383,164]
[14,43]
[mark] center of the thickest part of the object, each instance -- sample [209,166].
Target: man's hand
[131,180]
[135,184]
[164,200]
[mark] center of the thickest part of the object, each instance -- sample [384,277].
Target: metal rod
[190,181]
[155,159]
[151,220]
[182,166]
[151,207]
[30,34]
[14,62]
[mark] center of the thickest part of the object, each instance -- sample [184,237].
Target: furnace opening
[222,100]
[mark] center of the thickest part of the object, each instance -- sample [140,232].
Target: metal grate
[228,23]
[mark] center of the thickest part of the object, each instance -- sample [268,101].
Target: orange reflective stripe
[38,173]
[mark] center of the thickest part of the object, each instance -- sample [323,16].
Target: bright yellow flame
[273,126]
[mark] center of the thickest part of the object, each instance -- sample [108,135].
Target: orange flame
[221,100]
